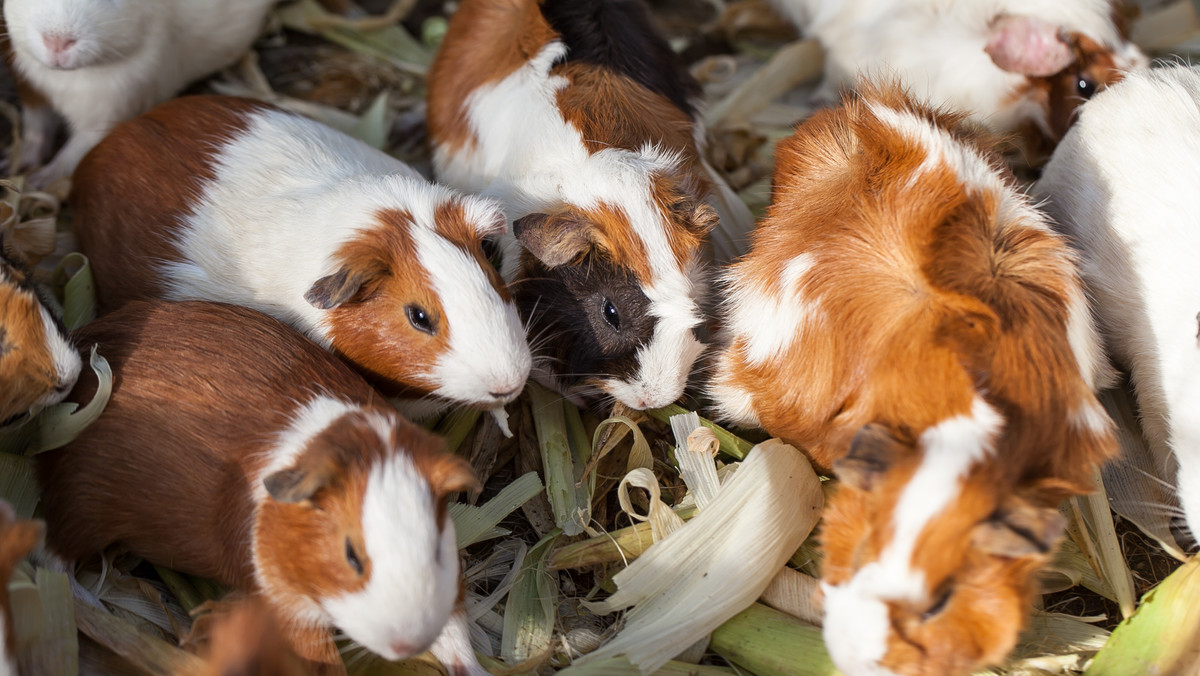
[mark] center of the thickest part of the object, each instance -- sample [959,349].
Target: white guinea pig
[1123,185]
[98,62]
[38,365]
[232,200]
[1015,65]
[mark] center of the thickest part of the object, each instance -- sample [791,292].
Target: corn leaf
[572,507]
[392,44]
[662,520]
[372,127]
[59,425]
[55,650]
[1163,637]
[1101,531]
[150,654]
[473,523]
[530,611]
[74,273]
[620,666]
[796,594]
[766,642]
[18,485]
[624,544]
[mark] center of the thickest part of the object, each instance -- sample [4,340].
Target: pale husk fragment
[624,544]
[695,458]
[796,594]
[1058,634]
[145,652]
[690,582]
[372,127]
[1099,535]
[60,424]
[731,444]
[662,520]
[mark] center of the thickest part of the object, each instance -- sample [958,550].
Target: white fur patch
[65,357]
[309,421]
[732,402]
[951,449]
[453,648]
[8,663]
[1090,415]
[776,313]
[414,567]
[289,193]
[533,160]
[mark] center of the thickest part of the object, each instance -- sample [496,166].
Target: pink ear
[1021,44]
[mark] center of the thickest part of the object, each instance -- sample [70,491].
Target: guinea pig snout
[402,649]
[58,49]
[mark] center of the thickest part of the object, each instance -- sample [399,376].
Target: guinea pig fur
[579,117]
[38,364]
[1015,65]
[278,472]
[909,318]
[231,200]
[1122,185]
[18,537]
[98,62]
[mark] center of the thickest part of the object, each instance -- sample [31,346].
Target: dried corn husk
[477,523]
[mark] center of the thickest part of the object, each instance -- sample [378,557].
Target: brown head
[908,317]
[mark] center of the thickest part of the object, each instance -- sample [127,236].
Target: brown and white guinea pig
[577,115]
[1014,65]
[98,62]
[1122,184]
[232,200]
[17,538]
[907,316]
[38,364]
[264,462]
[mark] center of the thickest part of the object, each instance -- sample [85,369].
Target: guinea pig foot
[204,617]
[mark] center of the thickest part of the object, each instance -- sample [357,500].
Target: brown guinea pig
[908,317]
[236,201]
[38,365]
[17,539]
[233,448]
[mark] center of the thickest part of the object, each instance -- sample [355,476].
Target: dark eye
[352,558]
[419,318]
[938,605]
[1084,86]
[610,314]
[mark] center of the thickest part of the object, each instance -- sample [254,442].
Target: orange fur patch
[26,364]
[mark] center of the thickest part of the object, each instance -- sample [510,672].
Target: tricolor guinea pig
[18,537]
[231,200]
[580,118]
[98,62]
[38,364]
[909,318]
[1122,185]
[1014,65]
[264,462]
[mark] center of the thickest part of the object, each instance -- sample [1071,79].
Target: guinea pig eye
[938,606]
[419,319]
[352,558]
[1084,86]
[610,314]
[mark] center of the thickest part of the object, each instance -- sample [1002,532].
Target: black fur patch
[564,310]
[620,35]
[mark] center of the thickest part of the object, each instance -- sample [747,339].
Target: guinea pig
[1015,65]
[17,539]
[98,62]
[911,320]
[231,200]
[577,115]
[38,365]
[265,463]
[1122,186]
[245,640]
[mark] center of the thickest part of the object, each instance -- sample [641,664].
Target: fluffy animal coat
[231,200]
[1123,186]
[98,62]
[272,448]
[578,116]
[910,319]
[1015,65]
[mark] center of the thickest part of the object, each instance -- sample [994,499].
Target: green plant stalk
[767,642]
[529,613]
[624,544]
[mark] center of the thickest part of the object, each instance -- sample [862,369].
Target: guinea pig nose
[58,42]
[403,649]
[505,395]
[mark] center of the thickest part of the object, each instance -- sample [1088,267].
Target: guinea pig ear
[1028,46]
[872,453]
[300,482]
[451,474]
[553,240]
[1020,530]
[333,290]
[494,222]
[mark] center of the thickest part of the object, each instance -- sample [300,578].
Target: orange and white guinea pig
[234,448]
[232,200]
[907,316]
[38,364]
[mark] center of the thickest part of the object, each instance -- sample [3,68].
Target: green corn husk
[78,290]
[620,666]
[1100,535]
[18,485]
[392,44]
[456,425]
[529,613]
[1163,636]
[372,127]
[564,459]
[44,613]
[625,544]
[59,425]
[766,642]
